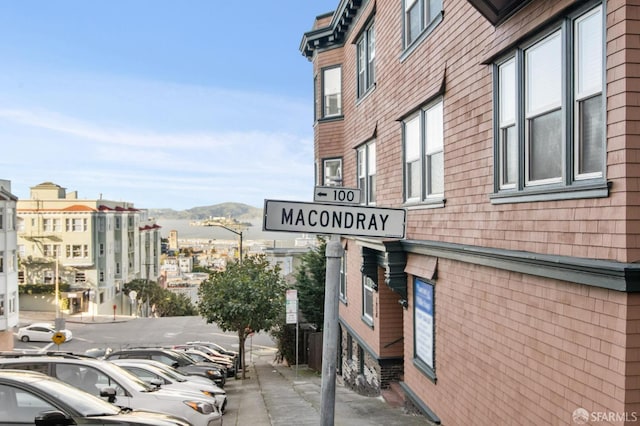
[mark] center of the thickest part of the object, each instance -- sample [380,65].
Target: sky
[161,103]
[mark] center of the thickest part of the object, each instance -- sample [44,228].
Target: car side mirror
[109,393]
[156,383]
[53,418]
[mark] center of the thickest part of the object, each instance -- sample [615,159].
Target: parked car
[155,372]
[215,346]
[29,397]
[118,386]
[178,360]
[204,354]
[98,352]
[41,332]
[224,351]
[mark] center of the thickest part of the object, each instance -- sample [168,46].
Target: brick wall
[525,348]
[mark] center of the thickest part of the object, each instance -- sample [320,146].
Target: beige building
[94,246]
[8,266]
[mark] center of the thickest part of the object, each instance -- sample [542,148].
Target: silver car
[118,386]
[169,378]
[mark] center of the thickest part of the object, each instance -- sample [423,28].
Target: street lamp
[238,233]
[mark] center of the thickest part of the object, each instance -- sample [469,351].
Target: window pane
[509,155]
[435,7]
[371,163]
[545,146]
[413,22]
[332,92]
[412,139]
[507,93]
[372,57]
[434,128]
[589,54]
[372,189]
[591,136]
[436,173]
[544,75]
[413,179]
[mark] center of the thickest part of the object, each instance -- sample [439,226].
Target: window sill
[343,300]
[576,191]
[425,369]
[367,321]
[366,94]
[331,118]
[435,203]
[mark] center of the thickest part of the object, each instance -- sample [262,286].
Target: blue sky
[163,103]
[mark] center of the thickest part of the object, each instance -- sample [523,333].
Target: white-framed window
[101,249]
[51,225]
[550,131]
[366,168]
[1,219]
[51,250]
[332,91]
[13,302]
[424,154]
[424,326]
[1,261]
[418,17]
[77,251]
[368,287]
[332,172]
[366,60]
[76,224]
[13,261]
[343,277]
[1,305]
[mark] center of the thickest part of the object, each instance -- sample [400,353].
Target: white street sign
[336,194]
[319,218]
[291,306]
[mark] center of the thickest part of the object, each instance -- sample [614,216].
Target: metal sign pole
[334,253]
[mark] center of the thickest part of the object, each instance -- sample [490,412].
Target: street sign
[336,194]
[320,218]
[58,338]
[291,307]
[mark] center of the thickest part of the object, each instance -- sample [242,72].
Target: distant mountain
[236,211]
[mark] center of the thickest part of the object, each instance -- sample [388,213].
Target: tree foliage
[249,296]
[310,283]
[167,303]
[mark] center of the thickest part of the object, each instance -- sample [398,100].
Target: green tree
[310,283]
[167,303]
[247,297]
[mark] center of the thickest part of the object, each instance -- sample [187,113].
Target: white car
[169,378]
[41,332]
[118,386]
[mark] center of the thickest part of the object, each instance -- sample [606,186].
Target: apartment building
[94,245]
[508,132]
[9,309]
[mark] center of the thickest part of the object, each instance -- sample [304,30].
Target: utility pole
[238,233]
[334,253]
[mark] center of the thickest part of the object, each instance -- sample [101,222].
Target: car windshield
[86,404]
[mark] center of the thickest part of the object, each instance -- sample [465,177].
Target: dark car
[176,359]
[29,397]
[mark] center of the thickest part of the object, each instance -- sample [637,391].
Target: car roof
[41,324]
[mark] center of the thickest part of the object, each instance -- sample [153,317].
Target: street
[129,331]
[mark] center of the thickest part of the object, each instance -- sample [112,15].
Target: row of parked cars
[179,386]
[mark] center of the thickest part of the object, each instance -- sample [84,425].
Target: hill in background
[236,211]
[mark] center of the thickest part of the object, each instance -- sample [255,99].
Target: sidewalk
[275,395]
[28,317]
